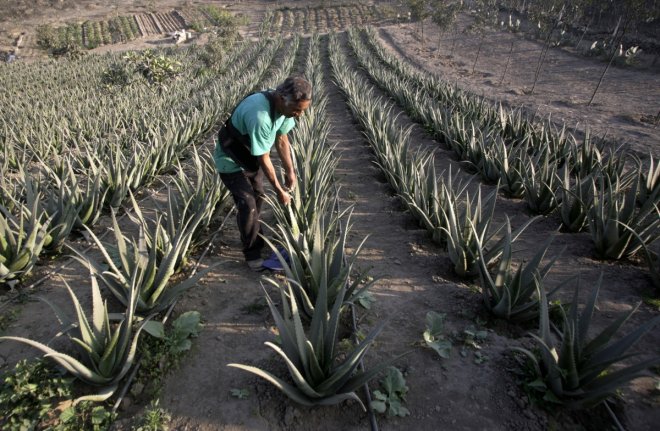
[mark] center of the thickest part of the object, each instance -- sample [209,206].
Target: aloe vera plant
[584,157]
[142,265]
[575,369]
[52,207]
[574,200]
[468,232]
[317,258]
[201,196]
[320,374]
[540,181]
[511,166]
[108,349]
[513,293]
[617,228]
[63,212]
[22,239]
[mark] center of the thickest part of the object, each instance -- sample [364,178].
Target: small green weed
[365,299]
[155,418]
[648,298]
[85,416]
[472,339]
[241,394]
[28,393]
[393,396]
[7,318]
[434,336]
[163,351]
[257,306]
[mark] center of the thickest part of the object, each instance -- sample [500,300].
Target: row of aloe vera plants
[433,199]
[579,375]
[310,239]
[48,197]
[139,272]
[551,169]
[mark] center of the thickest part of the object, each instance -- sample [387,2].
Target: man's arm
[284,151]
[269,170]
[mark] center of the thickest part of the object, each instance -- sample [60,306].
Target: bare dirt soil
[624,110]
[459,393]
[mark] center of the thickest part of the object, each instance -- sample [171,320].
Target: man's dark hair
[294,89]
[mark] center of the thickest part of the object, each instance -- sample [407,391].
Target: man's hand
[284,197]
[290,181]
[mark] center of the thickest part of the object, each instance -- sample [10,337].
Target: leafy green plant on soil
[393,394]
[154,418]
[85,416]
[472,339]
[7,317]
[28,393]
[155,68]
[434,336]
[163,351]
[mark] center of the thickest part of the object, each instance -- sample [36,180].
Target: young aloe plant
[575,199]
[321,375]
[87,198]
[584,157]
[21,241]
[469,229]
[317,259]
[62,209]
[122,174]
[513,293]
[202,196]
[141,265]
[576,370]
[108,349]
[541,183]
[58,210]
[493,150]
[429,201]
[177,224]
[511,166]
[617,228]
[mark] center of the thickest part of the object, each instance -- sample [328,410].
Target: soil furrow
[443,392]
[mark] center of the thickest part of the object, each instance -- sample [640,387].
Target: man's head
[293,96]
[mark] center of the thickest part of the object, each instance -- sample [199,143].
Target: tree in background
[443,15]
[485,14]
[549,16]
[629,14]
[419,11]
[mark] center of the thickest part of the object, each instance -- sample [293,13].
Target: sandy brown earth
[415,276]
[624,110]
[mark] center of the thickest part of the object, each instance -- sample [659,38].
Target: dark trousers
[247,189]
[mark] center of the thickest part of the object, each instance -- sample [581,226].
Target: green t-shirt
[252,117]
